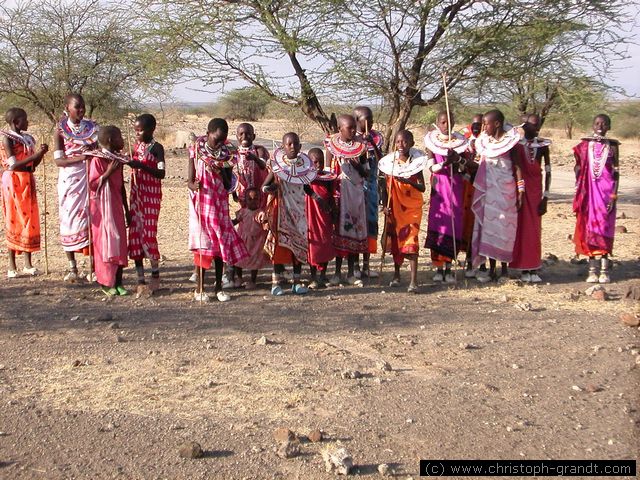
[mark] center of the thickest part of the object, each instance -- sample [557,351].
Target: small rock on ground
[315,436]
[338,460]
[283,435]
[630,320]
[190,450]
[288,449]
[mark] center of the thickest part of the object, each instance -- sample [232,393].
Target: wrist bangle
[520,185]
[58,154]
[547,168]
[613,196]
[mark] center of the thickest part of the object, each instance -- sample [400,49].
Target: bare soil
[95,388]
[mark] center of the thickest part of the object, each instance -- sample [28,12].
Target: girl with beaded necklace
[74,137]
[597,179]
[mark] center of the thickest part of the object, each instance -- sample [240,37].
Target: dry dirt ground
[91,388]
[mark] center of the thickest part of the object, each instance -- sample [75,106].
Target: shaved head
[345,119]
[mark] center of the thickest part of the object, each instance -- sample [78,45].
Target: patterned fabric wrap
[595,227]
[145,199]
[211,232]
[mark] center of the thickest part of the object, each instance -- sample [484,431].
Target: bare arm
[158,151]
[65,161]
[616,178]
[416,181]
[192,182]
[515,158]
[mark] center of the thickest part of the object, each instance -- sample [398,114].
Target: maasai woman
[444,230]
[75,136]
[251,168]
[347,158]
[374,142]
[253,235]
[471,132]
[146,194]
[597,180]
[212,238]
[527,251]
[287,240]
[321,212]
[108,203]
[498,195]
[404,197]
[19,201]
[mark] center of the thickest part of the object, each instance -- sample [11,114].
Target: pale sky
[625,76]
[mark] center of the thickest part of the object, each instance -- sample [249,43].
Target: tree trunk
[309,102]
[397,121]
[568,129]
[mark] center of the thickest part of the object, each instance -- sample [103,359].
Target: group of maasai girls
[488,193]
[93,209]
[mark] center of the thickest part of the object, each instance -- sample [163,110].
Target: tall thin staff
[452,196]
[385,229]
[44,194]
[199,214]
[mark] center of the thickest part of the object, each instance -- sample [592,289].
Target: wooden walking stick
[91,251]
[44,199]
[194,140]
[451,195]
[385,229]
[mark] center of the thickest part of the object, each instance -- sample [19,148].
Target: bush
[249,103]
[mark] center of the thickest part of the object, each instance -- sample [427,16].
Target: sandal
[33,271]
[299,289]
[277,291]
[109,291]
[412,289]
[394,283]
[122,291]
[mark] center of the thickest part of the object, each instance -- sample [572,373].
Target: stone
[600,295]
[633,292]
[288,449]
[105,317]
[569,236]
[591,388]
[75,318]
[283,435]
[576,388]
[383,469]
[190,450]
[590,291]
[621,229]
[114,325]
[469,346]
[383,365]
[351,374]
[263,341]
[630,320]
[523,307]
[315,436]
[622,216]
[337,460]
[550,259]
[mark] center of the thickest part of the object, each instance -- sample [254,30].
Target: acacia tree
[299,52]
[265,44]
[50,48]
[567,46]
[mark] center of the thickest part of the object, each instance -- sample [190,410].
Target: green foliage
[98,49]
[249,103]
[626,120]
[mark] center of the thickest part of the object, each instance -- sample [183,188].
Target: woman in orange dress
[19,200]
[403,199]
